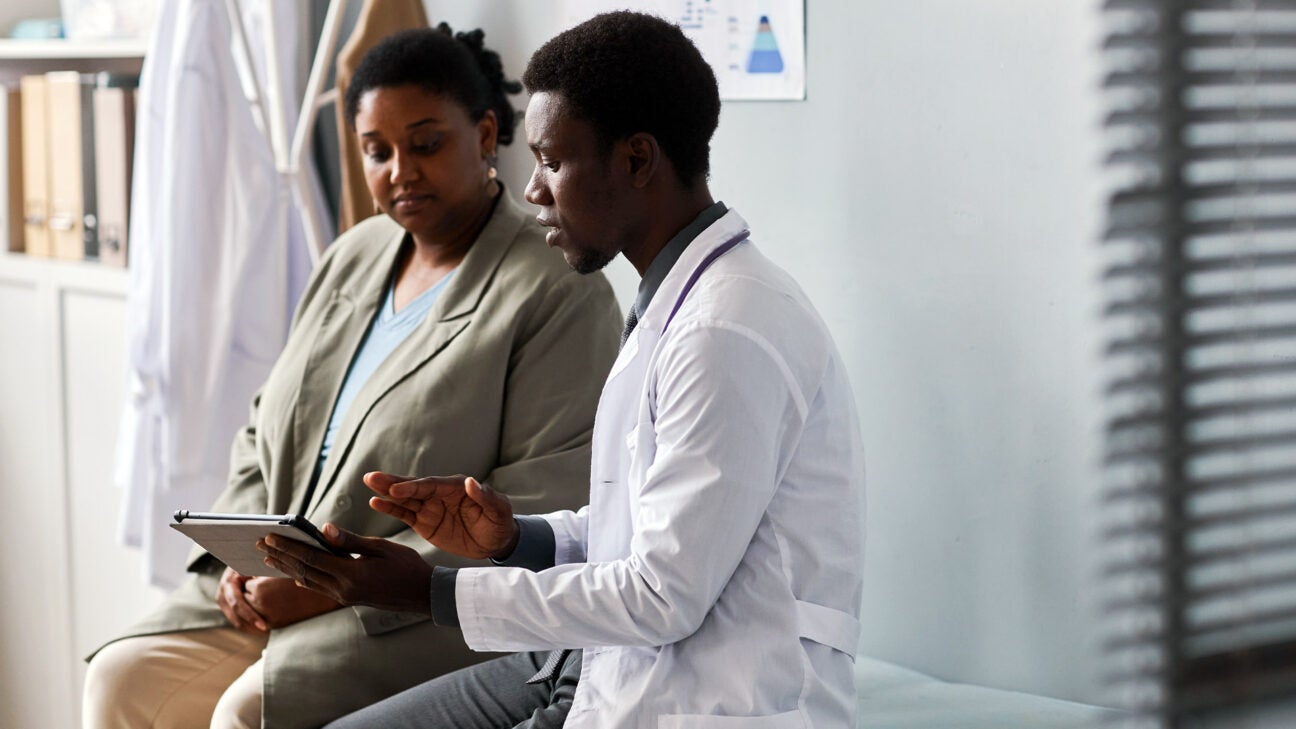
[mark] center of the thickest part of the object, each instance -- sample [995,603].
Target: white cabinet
[66,585]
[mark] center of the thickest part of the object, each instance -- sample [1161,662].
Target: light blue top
[388,330]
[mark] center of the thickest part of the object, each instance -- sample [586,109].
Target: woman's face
[425,160]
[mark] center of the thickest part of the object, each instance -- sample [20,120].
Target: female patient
[442,337]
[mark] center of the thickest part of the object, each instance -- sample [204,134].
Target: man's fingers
[392,508]
[427,488]
[479,492]
[297,561]
[293,548]
[303,574]
[380,482]
[352,542]
[495,505]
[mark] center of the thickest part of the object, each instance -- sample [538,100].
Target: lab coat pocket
[641,444]
[786,720]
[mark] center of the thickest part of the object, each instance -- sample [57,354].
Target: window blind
[1200,291]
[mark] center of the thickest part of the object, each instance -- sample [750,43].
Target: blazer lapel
[449,316]
[341,331]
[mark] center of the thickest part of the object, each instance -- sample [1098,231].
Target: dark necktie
[632,318]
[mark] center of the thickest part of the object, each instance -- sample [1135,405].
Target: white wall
[938,196]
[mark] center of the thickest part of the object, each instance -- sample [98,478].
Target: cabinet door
[108,592]
[34,681]
[66,585]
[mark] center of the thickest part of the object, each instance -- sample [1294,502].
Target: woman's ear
[488,133]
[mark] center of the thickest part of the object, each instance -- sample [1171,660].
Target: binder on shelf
[11,191]
[89,176]
[114,129]
[72,219]
[35,166]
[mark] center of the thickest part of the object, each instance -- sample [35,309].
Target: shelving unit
[21,57]
[63,331]
[18,57]
[62,49]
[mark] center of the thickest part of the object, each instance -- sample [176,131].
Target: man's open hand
[456,513]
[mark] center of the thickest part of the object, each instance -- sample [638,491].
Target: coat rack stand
[267,105]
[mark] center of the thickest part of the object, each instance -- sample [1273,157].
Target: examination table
[892,697]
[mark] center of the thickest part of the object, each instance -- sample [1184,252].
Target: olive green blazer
[500,382]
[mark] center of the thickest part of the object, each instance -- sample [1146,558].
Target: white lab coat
[213,250]
[714,580]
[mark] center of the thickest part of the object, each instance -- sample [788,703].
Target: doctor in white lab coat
[714,579]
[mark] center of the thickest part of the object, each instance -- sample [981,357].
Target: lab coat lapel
[622,431]
[449,316]
[716,235]
[625,382]
[649,328]
[341,330]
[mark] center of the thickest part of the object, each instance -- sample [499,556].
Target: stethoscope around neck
[711,258]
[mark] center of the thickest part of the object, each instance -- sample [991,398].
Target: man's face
[574,185]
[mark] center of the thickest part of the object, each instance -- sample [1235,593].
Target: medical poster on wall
[756,47]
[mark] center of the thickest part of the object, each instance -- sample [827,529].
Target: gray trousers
[490,695]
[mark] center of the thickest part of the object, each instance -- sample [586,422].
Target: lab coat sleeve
[729,413]
[571,534]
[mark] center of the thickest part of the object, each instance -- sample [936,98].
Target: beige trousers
[188,680]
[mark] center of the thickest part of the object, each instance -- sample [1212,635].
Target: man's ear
[644,157]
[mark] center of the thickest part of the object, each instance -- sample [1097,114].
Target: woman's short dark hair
[439,60]
[628,72]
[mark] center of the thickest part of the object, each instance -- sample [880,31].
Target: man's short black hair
[626,73]
[456,65]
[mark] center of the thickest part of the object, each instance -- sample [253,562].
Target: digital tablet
[232,538]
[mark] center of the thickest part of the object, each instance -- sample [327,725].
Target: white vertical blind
[1201,308]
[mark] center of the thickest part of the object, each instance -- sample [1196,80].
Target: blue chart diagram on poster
[757,47]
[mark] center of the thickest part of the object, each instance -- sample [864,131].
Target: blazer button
[344,502]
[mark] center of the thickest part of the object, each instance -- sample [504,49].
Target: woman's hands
[233,603]
[384,574]
[456,513]
[258,604]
